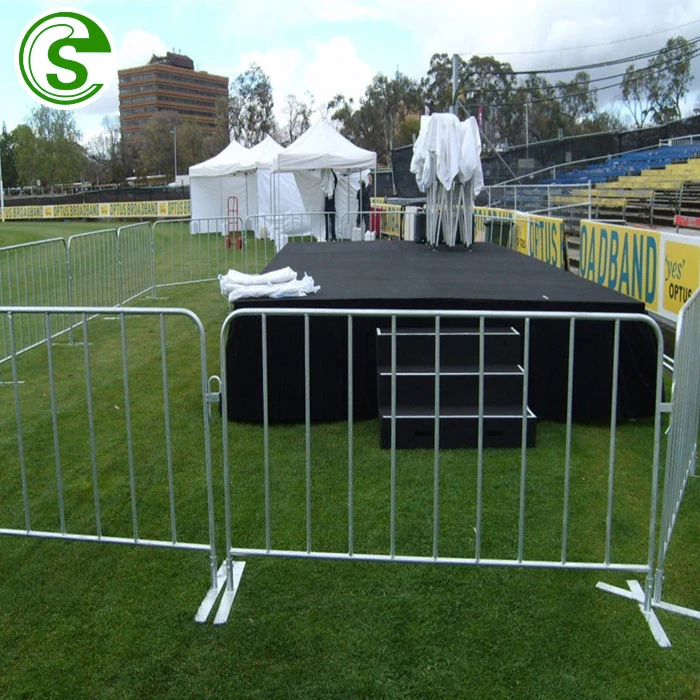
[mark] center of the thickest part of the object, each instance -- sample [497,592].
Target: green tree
[485,88]
[386,104]
[168,135]
[105,153]
[251,106]
[157,155]
[49,149]
[297,115]
[578,102]
[639,90]
[656,92]
[672,65]
[8,158]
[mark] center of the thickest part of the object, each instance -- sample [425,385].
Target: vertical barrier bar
[480,442]
[393,439]
[129,434]
[523,440]
[18,423]
[307,416]
[166,418]
[613,430]
[567,457]
[649,586]
[54,424]
[351,451]
[266,433]
[436,444]
[91,424]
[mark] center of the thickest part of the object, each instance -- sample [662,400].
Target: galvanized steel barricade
[199,250]
[276,230]
[390,221]
[93,269]
[682,452]
[283,511]
[137,271]
[108,440]
[32,274]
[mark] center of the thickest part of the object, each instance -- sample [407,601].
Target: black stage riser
[501,346]
[455,390]
[395,275]
[416,433]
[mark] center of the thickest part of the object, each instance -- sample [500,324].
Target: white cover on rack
[447,149]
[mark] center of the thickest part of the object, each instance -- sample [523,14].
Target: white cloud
[137,47]
[322,68]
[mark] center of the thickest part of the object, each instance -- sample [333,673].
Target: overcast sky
[327,47]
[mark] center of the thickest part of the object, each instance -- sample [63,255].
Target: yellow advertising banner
[521,230]
[681,273]
[152,209]
[623,258]
[546,240]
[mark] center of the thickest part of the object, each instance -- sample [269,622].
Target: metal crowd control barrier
[279,229]
[115,468]
[136,261]
[276,540]
[93,269]
[198,250]
[385,221]
[681,452]
[32,274]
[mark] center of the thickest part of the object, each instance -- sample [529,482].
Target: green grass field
[90,620]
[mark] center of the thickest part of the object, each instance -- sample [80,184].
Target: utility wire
[601,64]
[586,46]
[543,100]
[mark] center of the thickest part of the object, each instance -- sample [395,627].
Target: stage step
[415,384]
[459,427]
[458,346]
[503,383]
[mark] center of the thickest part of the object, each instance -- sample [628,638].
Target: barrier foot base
[636,594]
[227,599]
[212,595]
[678,610]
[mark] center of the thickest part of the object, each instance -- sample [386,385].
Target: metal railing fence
[682,450]
[111,439]
[198,250]
[575,542]
[136,261]
[92,262]
[33,274]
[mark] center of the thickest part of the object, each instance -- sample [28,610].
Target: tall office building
[167,83]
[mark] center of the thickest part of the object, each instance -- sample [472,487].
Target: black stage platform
[402,275]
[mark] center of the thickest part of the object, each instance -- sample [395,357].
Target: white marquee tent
[239,182]
[311,157]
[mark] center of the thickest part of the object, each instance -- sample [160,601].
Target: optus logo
[64,59]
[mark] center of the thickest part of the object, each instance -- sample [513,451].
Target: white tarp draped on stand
[311,158]
[447,165]
[245,174]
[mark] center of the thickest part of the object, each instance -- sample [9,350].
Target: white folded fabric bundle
[293,288]
[234,278]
